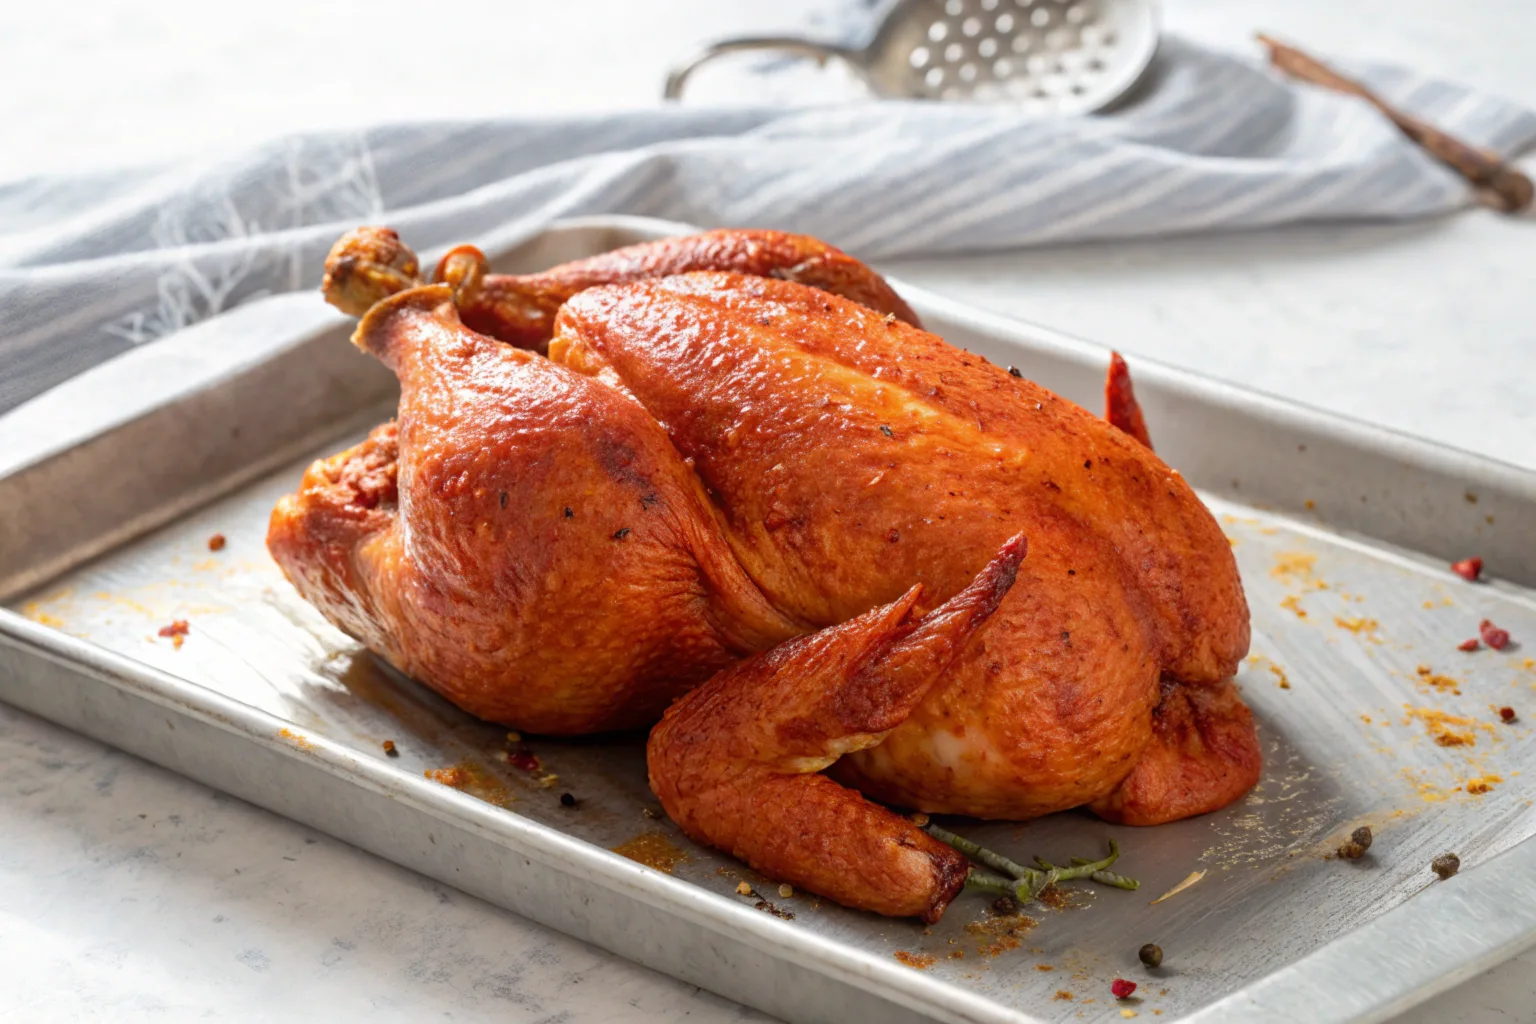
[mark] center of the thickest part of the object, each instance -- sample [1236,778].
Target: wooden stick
[1506,187]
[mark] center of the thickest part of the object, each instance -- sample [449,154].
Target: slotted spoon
[1049,56]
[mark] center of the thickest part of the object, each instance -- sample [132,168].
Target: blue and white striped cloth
[91,266]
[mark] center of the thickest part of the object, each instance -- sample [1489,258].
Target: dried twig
[1506,187]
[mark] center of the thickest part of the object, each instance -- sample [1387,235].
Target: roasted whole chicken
[902,575]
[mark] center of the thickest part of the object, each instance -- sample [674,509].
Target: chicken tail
[737,762]
[1120,406]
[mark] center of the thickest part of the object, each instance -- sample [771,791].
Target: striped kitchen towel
[93,265]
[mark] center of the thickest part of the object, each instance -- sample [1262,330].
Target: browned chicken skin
[711,463]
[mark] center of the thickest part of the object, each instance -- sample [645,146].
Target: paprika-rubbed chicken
[914,577]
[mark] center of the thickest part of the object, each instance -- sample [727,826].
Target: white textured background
[129,894]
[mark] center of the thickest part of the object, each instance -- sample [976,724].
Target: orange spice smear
[916,961]
[1448,730]
[655,850]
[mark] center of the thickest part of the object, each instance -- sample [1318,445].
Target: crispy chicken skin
[539,555]
[850,456]
[712,463]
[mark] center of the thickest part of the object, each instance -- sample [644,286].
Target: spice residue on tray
[1481,784]
[654,850]
[1360,627]
[1424,789]
[1446,729]
[34,611]
[295,739]
[1428,677]
[474,779]
[1297,568]
[1281,680]
[999,933]
[916,961]
[177,631]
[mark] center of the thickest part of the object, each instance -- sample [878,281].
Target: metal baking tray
[111,486]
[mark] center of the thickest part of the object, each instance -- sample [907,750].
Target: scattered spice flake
[1127,1013]
[177,631]
[1292,603]
[916,961]
[454,778]
[1469,645]
[1062,995]
[1056,897]
[1366,719]
[1482,784]
[1297,567]
[654,850]
[389,748]
[1000,933]
[1279,673]
[1443,684]
[1492,635]
[295,739]
[1426,791]
[1360,627]
[475,780]
[1448,730]
[216,542]
[1469,569]
[548,781]
[743,889]
[1044,967]
[1189,880]
[1311,504]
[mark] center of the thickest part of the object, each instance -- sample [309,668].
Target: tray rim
[1294,984]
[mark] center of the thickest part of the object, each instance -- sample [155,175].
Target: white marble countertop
[129,894]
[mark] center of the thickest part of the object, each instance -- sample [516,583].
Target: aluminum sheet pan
[1368,712]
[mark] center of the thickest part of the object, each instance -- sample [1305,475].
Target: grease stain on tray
[654,850]
[476,780]
[916,961]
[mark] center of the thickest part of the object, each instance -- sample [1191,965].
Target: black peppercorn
[567,800]
[1151,954]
